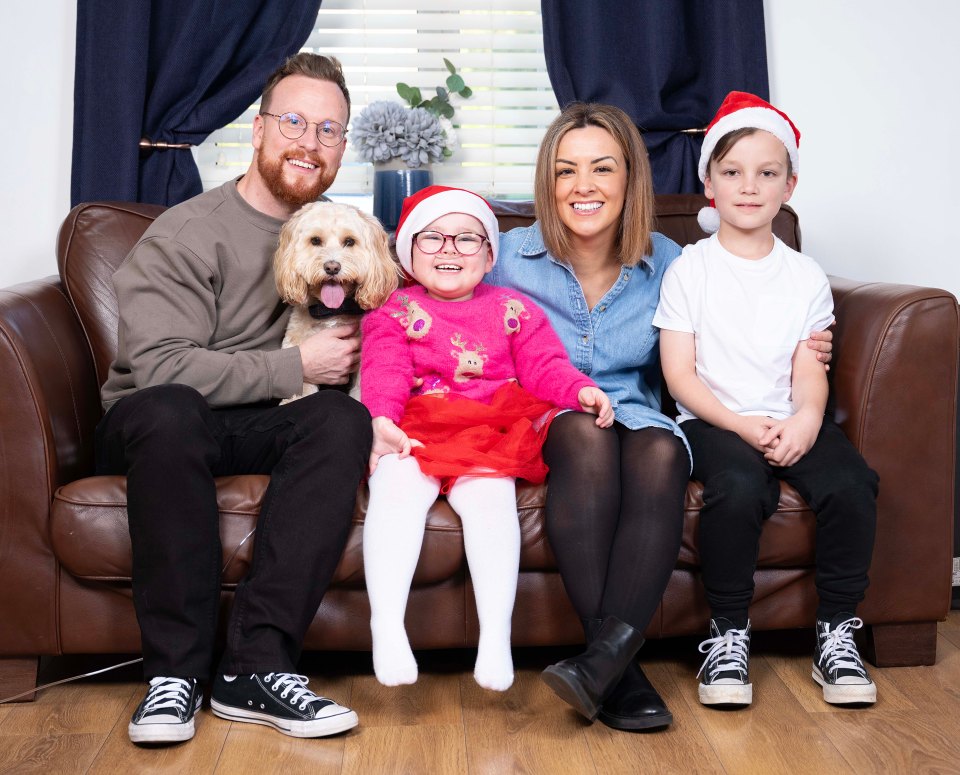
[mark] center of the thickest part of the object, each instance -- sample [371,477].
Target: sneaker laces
[730,650]
[167,693]
[287,683]
[838,650]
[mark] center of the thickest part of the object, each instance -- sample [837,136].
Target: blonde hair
[636,221]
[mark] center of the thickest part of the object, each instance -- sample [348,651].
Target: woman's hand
[595,401]
[822,343]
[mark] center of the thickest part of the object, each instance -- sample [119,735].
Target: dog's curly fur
[327,243]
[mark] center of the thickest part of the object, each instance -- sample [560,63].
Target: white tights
[400,496]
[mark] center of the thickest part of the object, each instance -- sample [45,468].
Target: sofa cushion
[787,540]
[91,539]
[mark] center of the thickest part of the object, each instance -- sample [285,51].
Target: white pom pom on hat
[709,219]
[433,202]
[741,110]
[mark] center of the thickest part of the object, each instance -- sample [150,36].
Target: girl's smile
[448,274]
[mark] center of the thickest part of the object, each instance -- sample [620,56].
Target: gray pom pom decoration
[385,130]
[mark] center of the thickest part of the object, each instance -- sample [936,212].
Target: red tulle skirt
[464,437]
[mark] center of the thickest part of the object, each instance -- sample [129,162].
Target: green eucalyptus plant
[440,104]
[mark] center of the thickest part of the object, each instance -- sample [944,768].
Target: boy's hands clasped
[782,442]
[786,441]
[594,401]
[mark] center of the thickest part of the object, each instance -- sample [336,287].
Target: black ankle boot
[583,681]
[634,703]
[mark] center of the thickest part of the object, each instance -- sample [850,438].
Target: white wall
[37,45]
[871,86]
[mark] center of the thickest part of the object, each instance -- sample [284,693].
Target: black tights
[614,514]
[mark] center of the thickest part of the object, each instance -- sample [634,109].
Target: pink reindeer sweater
[471,348]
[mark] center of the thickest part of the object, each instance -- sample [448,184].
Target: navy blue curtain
[171,71]
[667,63]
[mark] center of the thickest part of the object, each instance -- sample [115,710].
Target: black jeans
[740,490]
[171,445]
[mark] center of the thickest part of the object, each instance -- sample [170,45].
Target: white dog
[332,264]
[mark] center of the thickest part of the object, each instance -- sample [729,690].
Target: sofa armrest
[894,392]
[49,409]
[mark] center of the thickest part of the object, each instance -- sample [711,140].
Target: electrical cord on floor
[120,664]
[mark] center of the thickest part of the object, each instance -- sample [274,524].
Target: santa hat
[741,110]
[433,202]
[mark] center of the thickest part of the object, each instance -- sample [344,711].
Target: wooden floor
[446,724]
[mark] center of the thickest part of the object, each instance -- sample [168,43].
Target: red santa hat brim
[432,202]
[741,110]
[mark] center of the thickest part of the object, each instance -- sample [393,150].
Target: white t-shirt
[747,317]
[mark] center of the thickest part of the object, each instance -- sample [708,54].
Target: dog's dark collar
[319,310]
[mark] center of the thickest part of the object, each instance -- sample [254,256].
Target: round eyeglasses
[466,243]
[293,126]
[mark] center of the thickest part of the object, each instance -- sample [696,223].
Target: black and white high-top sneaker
[837,666]
[726,670]
[166,714]
[281,701]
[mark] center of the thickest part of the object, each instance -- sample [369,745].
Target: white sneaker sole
[320,727]
[726,694]
[160,733]
[846,694]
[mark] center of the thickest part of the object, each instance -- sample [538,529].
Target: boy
[734,310]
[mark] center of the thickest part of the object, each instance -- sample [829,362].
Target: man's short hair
[322,68]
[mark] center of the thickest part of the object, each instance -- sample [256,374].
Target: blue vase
[391,184]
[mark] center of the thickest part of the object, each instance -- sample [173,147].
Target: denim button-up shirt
[615,343]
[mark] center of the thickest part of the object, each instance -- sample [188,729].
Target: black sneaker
[281,701]
[837,666]
[726,670]
[166,714]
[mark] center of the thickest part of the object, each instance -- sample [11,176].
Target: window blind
[496,45]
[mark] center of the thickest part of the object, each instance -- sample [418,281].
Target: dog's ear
[383,274]
[291,286]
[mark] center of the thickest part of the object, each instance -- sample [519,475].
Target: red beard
[297,193]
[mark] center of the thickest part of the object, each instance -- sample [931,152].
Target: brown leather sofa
[65,550]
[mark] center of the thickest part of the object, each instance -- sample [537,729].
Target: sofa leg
[902,645]
[18,674]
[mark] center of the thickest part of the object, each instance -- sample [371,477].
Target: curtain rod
[147,143]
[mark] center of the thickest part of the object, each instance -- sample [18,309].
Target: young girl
[490,375]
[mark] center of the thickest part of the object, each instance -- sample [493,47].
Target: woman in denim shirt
[614,507]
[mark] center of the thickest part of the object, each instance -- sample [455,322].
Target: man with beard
[193,394]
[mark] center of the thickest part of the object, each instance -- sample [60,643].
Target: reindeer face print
[413,317]
[470,359]
[515,312]
[418,321]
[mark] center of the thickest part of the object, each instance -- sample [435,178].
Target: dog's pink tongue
[332,295]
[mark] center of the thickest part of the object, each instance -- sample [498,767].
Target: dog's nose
[331,267]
